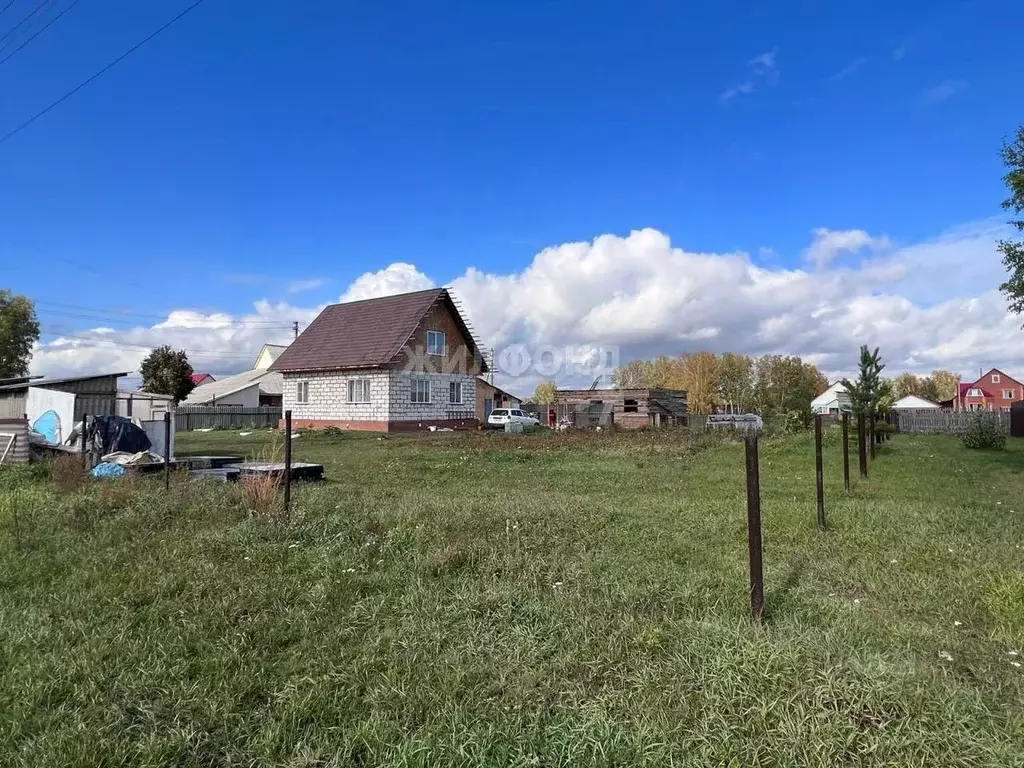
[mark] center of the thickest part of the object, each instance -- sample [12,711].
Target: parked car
[742,422]
[501,416]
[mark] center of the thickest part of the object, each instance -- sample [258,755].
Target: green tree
[786,385]
[545,393]
[1013,250]
[166,371]
[907,384]
[866,392]
[19,331]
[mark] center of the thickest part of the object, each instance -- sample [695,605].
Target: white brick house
[405,362]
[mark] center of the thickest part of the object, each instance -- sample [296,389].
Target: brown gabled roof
[364,334]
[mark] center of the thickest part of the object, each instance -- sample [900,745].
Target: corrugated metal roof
[44,382]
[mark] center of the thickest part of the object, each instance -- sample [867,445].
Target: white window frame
[444,343]
[455,388]
[1009,394]
[363,395]
[414,384]
[995,378]
[302,392]
[974,392]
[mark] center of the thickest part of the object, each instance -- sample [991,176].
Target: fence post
[85,441]
[754,530]
[862,448]
[846,451]
[287,466]
[167,450]
[818,473]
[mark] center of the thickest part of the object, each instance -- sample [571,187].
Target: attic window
[974,392]
[630,406]
[995,378]
[435,343]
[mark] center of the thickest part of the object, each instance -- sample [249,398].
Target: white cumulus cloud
[929,304]
[399,277]
[830,243]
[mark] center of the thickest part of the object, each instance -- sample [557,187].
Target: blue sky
[254,146]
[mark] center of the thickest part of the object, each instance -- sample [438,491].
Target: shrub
[984,432]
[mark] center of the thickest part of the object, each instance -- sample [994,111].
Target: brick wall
[401,409]
[328,397]
[457,357]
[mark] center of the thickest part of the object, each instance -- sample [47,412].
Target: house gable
[460,351]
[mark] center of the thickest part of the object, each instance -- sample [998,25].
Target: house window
[359,391]
[455,392]
[974,392]
[1008,394]
[630,406]
[995,378]
[419,391]
[302,392]
[435,342]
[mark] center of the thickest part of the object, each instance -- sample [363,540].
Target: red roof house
[202,378]
[994,391]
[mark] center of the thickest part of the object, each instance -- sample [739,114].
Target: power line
[88,80]
[9,4]
[48,24]
[32,13]
[132,318]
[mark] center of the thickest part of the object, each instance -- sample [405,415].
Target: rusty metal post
[287,465]
[819,475]
[846,451]
[754,530]
[167,450]
[862,445]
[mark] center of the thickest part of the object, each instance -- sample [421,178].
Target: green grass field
[548,600]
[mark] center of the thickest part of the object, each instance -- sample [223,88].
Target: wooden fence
[189,417]
[935,421]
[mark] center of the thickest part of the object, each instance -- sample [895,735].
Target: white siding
[248,397]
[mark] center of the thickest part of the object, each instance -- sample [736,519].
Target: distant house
[994,391]
[258,386]
[913,401]
[834,400]
[405,362]
[489,397]
[201,378]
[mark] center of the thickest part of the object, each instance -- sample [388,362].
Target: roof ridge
[388,296]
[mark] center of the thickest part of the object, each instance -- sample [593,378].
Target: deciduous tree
[735,382]
[166,371]
[907,384]
[545,393]
[19,331]
[941,385]
[1013,250]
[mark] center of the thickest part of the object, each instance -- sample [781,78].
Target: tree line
[769,384]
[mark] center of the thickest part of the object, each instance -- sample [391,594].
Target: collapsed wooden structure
[627,408]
